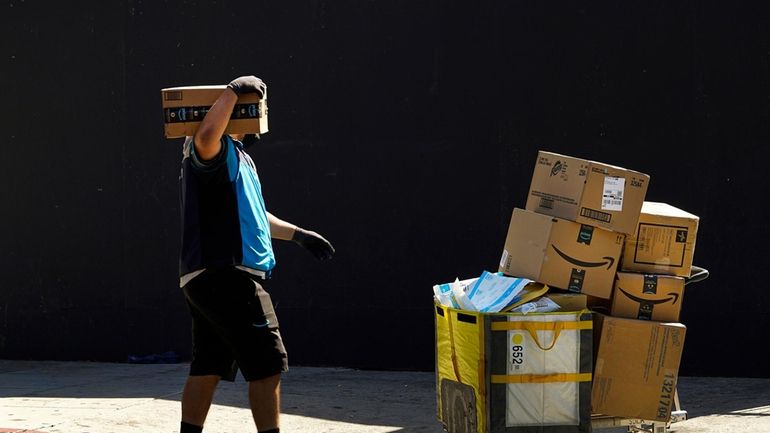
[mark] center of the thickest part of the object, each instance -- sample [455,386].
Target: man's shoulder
[220,160]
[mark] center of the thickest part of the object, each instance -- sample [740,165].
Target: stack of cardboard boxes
[588,233]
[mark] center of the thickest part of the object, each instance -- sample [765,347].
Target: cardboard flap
[528,232]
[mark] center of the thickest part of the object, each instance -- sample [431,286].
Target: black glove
[313,242]
[248,84]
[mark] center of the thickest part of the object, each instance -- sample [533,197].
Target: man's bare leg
[197,396]
[265,402]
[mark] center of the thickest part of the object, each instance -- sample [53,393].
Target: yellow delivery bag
[513,373]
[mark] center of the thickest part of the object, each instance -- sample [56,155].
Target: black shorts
[233,326]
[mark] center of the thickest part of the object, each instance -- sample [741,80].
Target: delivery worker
[226,259]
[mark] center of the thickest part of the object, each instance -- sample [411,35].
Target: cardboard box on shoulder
[647,296]
[636,368]
[587,192]
[663,242]
[185,107]
[561,253]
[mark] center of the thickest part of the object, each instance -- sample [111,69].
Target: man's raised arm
[208,136]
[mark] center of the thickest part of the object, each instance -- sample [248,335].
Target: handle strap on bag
[532,327]
[455,367]
[541,378]
[557,327]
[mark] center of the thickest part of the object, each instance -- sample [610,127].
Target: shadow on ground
[402,400]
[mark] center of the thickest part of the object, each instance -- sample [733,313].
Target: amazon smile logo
[609,261]
[674,296]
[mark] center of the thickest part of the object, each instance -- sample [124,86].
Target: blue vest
[224,221]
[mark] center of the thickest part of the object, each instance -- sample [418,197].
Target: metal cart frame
[640,425]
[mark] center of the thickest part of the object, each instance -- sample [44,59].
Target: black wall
[405,132]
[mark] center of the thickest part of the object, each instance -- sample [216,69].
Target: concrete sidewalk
[80,397]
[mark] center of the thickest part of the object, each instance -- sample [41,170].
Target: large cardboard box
[185,107]
[663,242]
[636,367]
[587,192]
[561,253]
[647,296]
[513,373]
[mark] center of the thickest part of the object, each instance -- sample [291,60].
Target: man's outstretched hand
[313,242]
[248,84]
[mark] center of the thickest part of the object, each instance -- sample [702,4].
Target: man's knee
[267,383]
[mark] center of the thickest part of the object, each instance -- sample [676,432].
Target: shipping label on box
[637,366]
[561,253]
[664,241]
[185,107]
[647,296]
[557,185]
[587,192]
